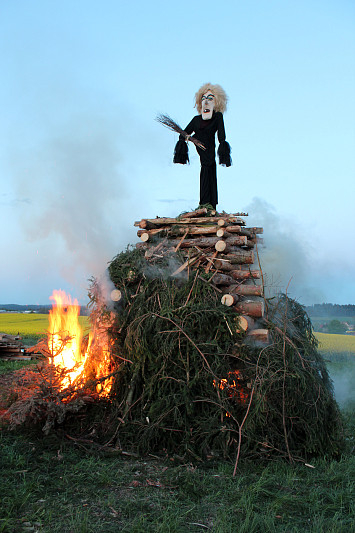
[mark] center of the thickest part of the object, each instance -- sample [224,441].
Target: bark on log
[259,335]
[222,279]
[151,232]
[229,299]
[240,257]
[255,230]
[247,307]
[246,290]
[236,240]
[207,242]
[196,213]
[245,274]
[166,221]
[193,230]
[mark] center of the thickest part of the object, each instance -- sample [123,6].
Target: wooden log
[244,274]
[7,336]
[236,240]
[116,295]
[245,323]
[240,256]
[251,308]
[145,224]
[246,290]
[233,229]
[194,230]
[196,213]
[221,246]
[151,232]
[255,230]
[166,221]
[259,335]
[201,242]
[229,299]
[222,279]
[225,265]
[222,232]
[145,236]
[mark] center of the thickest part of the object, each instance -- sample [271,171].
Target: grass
[48,484]
[51,486]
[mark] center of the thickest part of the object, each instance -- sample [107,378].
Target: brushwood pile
[206,365]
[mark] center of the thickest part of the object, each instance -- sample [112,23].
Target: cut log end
[220,246]
[116,295]
[229,299]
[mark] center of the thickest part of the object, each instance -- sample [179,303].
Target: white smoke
[77,197]
[285,256]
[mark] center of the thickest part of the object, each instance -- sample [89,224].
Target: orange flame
[233,386]
[65,345]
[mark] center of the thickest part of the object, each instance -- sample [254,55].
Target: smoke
[76,196]
[285,256]
[342,373]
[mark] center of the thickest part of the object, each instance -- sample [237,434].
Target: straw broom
[172,125]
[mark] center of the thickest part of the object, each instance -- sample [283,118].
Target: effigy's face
[207,104]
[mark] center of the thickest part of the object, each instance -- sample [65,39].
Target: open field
[336,344]
[30,326]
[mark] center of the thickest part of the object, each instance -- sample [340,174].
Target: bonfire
[185,371]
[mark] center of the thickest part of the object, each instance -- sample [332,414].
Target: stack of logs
[11,346]
[219,244]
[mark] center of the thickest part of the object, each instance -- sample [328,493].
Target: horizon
[82,156]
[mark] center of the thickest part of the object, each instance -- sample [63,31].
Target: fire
[234,386]
[65,337]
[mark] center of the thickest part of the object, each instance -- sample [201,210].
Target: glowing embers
[75,365]
[234,387]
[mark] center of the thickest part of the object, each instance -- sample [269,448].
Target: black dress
[205,131]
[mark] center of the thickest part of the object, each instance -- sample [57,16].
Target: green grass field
[30,326]
[331,343]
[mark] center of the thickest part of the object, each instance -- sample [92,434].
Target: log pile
[11,347]
[218,244]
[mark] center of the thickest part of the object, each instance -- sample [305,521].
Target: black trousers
[208,185]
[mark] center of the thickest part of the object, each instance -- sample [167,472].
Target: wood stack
[11,347]
[217,243]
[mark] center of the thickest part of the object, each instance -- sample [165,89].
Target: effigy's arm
[224,149]
[181,152]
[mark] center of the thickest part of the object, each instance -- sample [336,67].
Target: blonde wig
[220,97]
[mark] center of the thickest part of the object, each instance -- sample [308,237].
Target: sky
[82,157]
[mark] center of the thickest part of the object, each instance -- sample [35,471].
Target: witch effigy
[211,103]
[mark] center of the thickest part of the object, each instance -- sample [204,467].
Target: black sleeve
[181,152]
[224,150]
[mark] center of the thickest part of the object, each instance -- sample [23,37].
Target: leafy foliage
[189,385]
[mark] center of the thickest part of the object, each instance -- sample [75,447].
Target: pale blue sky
[81,156]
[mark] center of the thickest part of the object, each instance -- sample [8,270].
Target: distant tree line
[326,310]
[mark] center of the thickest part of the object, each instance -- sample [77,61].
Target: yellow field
[335,343]
[30,324]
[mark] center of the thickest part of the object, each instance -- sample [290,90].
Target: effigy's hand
[168,122]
